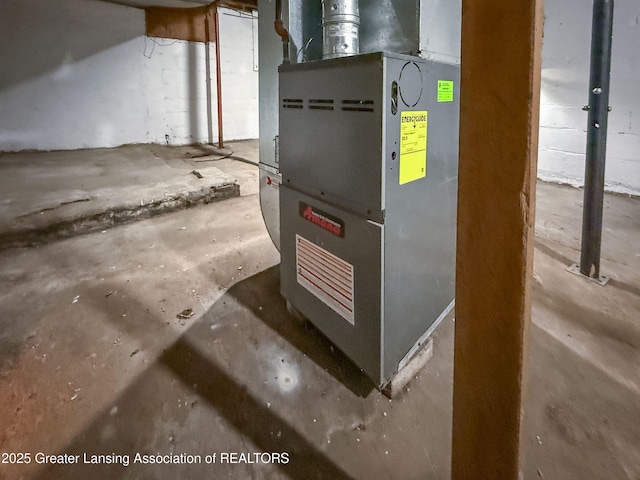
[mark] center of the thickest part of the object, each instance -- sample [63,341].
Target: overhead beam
[179,23]
[189,24]
[500,87]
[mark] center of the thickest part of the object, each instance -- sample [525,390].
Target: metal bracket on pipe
[575,269]
[586,108]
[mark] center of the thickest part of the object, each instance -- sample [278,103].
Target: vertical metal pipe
[207,49]
[282,31]
[601,40]
[216,24]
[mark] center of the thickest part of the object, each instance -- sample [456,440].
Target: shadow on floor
[187,389]
[262,289]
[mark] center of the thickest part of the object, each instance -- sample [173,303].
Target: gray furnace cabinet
[368,156]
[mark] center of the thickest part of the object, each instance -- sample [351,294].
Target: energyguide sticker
[413,145]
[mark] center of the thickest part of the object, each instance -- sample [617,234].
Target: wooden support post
[500,87]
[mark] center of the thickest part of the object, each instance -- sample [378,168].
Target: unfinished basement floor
[168,336]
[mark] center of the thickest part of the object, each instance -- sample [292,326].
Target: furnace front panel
[368,156]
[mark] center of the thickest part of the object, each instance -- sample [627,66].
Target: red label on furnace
[322,219]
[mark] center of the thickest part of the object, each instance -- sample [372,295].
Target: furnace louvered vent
[320,104]
[329,104]
[357,105]
[292,103]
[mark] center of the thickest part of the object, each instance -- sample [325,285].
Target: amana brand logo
[322,219]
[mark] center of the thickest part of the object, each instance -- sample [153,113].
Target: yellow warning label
[413,146]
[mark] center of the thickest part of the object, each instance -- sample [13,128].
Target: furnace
[368,157]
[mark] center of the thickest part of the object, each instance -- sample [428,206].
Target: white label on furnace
[326,276]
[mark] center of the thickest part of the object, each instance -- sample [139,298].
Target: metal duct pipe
[340,28]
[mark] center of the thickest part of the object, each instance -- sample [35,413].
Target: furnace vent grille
[329,104]
[358,105]
[292,103]
[327,276]
[320,104]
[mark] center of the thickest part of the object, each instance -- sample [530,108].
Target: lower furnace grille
[326,276]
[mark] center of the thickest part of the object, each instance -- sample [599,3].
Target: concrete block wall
[565,83]
[82,74]
[565,88]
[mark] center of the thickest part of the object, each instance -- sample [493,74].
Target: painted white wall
[565,83]
[82,74]
[565,88]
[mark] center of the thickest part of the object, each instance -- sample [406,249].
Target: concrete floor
[52,195]
[95,360]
